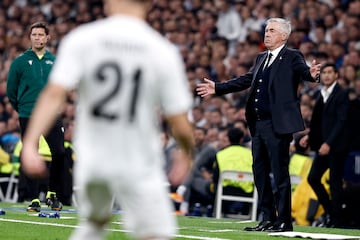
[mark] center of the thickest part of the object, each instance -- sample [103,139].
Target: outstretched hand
[315,69]
[206,88]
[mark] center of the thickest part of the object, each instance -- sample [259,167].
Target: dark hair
[325,65]
[235,135]
[43,25]
[204,130]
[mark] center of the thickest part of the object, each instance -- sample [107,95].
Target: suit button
[257,90]
[260,80]
[256,100]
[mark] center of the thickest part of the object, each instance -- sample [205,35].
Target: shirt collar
[275,52]
[325,92]
[329,89]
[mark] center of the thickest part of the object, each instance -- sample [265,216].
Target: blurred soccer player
[125,71]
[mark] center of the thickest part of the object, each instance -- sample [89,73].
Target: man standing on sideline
[122,83]
[273,114]
[27,76]
[328,138]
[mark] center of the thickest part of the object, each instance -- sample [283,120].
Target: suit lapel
[257,67]
[276,64]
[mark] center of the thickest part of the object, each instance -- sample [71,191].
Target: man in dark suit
[273,114]
[328,138]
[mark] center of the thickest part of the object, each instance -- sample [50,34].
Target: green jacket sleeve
[12,84]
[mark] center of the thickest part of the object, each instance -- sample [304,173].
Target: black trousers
[29,188]
[335,162]
[271,155]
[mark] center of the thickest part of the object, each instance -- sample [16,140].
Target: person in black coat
[354,118]
[328,138]
[273,115]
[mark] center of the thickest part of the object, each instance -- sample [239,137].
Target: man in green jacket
[27,76]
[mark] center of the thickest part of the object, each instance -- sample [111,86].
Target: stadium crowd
[218,39]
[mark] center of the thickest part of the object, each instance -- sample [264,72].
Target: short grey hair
[285,25]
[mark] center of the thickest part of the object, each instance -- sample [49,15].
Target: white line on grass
[217,222]
[112,230]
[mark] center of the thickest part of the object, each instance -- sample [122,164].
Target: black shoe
[54,203]
[281,227]
[34,206]
[262,226]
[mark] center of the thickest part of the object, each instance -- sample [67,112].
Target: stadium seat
[12,189]
[236,176]
[11,194]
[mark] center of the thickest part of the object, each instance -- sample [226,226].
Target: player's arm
[182,131]
[46,110]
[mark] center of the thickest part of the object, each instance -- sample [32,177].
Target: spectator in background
[27,76]
[228,23]
[248,22]
[354,118]
[348,72]
[205,149]
[306,111]
[197,116]
[351,183]
[216,119]
[243,126]
[328,138]
[238,158]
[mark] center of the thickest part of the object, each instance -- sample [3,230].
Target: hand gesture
[324,149]
[304,141]
[206,88]
[315,69]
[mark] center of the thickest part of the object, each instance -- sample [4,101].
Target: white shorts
[145,203]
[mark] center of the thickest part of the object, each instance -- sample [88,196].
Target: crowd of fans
[218,39]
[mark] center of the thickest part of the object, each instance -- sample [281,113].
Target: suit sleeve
[302,68]
[236,84]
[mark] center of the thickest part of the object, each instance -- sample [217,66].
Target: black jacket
[288,70]
[328,121]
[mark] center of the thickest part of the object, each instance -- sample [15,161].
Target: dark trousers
[28,187]
[335,162]
[271,155]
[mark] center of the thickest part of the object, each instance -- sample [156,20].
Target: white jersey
[125,73]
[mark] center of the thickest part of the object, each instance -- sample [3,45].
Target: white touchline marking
[246,221]
[62,217]
[38,223]
[111,230]
[217,231]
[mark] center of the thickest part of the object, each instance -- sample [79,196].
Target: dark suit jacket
[353,124]
[328,122]
[288,69]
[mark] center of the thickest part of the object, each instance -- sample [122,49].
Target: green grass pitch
[17,224]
